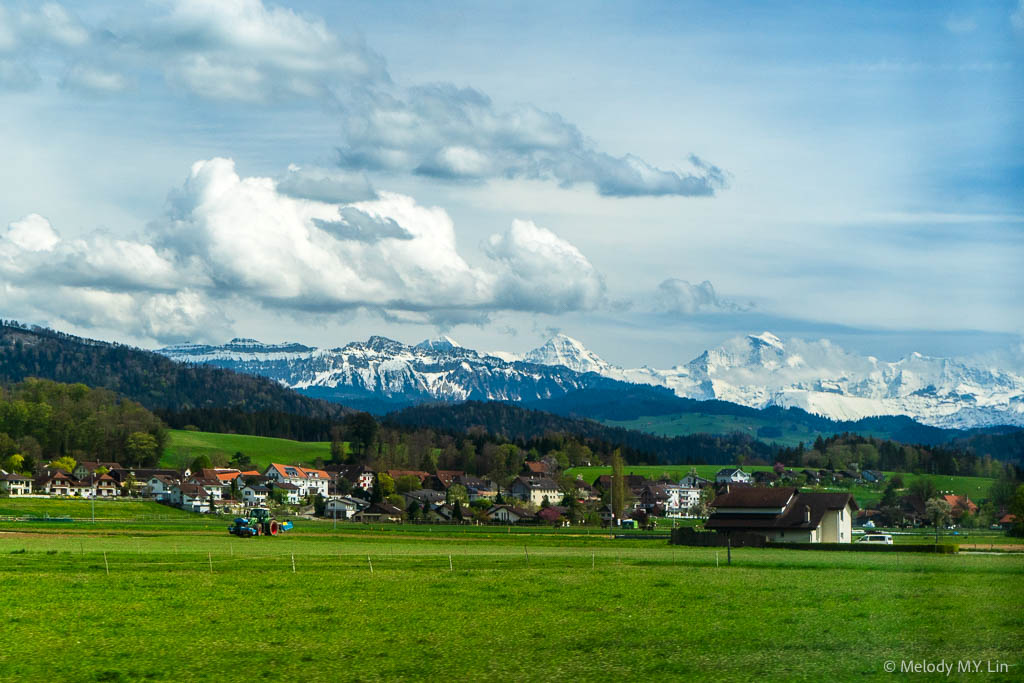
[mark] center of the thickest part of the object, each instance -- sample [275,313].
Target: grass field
[184,446]
[445,605]
[82,509]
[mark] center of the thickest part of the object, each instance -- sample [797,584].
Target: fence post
[209,557]
[293,563]
[105,564]
[370,563]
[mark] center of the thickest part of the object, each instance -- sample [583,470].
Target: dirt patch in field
[1015,547]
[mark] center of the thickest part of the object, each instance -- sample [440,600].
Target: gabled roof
[447,477]
[535,467]
[192,490]
[296,472]
[286,486]
[540,483]
[802,510]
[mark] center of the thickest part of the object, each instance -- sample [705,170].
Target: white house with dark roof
[15,484]
[254,495]
[535,490]
[159,486]
[732,475]
[785,515]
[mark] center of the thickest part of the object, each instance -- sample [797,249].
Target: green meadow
[184,446]
[393,603]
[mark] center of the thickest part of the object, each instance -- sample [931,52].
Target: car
[876,538]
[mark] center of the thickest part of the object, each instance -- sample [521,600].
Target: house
[159,486]
[358,476]
[1007,521]
[509,514]
[292,493]
[732,475]
[765,478]
[424,497]
[84,469]
[379,512]
[308,482]
[785,515]
[344,507]
[442,480]
[960,505]
[191,497]
[554,514]
[653,495]
[254,495]
[812,476]
[478,488]
[535,490]
[15,484]
[693,481]
[584,492]
[398,474]
[213,485]
[535,469]
[104,486]
[56,483]
[681,500]
[913,509]
[872,476]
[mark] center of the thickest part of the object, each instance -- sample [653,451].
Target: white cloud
[1017,17]
[247,52]
[227,237]
[32,233]
[543,272]
[680,297]
[17,75]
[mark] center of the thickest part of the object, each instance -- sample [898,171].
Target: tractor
[258,523]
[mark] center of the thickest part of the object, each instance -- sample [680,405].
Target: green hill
[184,446]
[84,509]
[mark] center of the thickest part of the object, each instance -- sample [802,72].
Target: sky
[650,178]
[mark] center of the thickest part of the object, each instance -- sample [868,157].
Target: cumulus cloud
[682,298]
[248,52]
[543,272]
[226,237]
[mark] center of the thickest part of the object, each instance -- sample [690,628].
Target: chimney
[807,514]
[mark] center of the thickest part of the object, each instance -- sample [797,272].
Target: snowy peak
[570,353]
[442,343]
[765,339]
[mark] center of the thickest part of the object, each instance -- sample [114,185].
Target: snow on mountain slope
[437,369]
[821,377]
[755,370]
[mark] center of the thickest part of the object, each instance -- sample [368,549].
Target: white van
[876,538]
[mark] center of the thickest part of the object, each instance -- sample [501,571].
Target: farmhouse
[15,484]
[785,515]
[344,507]
[960,505]
[379,512]
[191,497]
[255,495]
[159,486]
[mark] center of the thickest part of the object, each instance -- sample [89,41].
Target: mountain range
[757,371]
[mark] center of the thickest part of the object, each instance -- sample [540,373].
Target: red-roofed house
[308,481]
[960,505]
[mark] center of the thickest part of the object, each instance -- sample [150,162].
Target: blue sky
[321,172]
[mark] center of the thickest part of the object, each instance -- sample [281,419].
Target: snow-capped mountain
[755,371]
[822,378]
[391,372]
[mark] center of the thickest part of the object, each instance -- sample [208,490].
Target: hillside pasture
[184,446]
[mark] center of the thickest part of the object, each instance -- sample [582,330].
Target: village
[733,500]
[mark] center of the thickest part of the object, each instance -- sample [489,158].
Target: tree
[457,510]
[142,449]
[923,488]
[361,429]
[413,510]
[14,462]
[457,494]
[618,497]
[240,460]
[385,484]
[201,462]
[1017,509]
[939,512]
[408,482]
[67,463]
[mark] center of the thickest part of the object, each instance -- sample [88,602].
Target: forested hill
[42,421]
[521,424]
[171,389]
